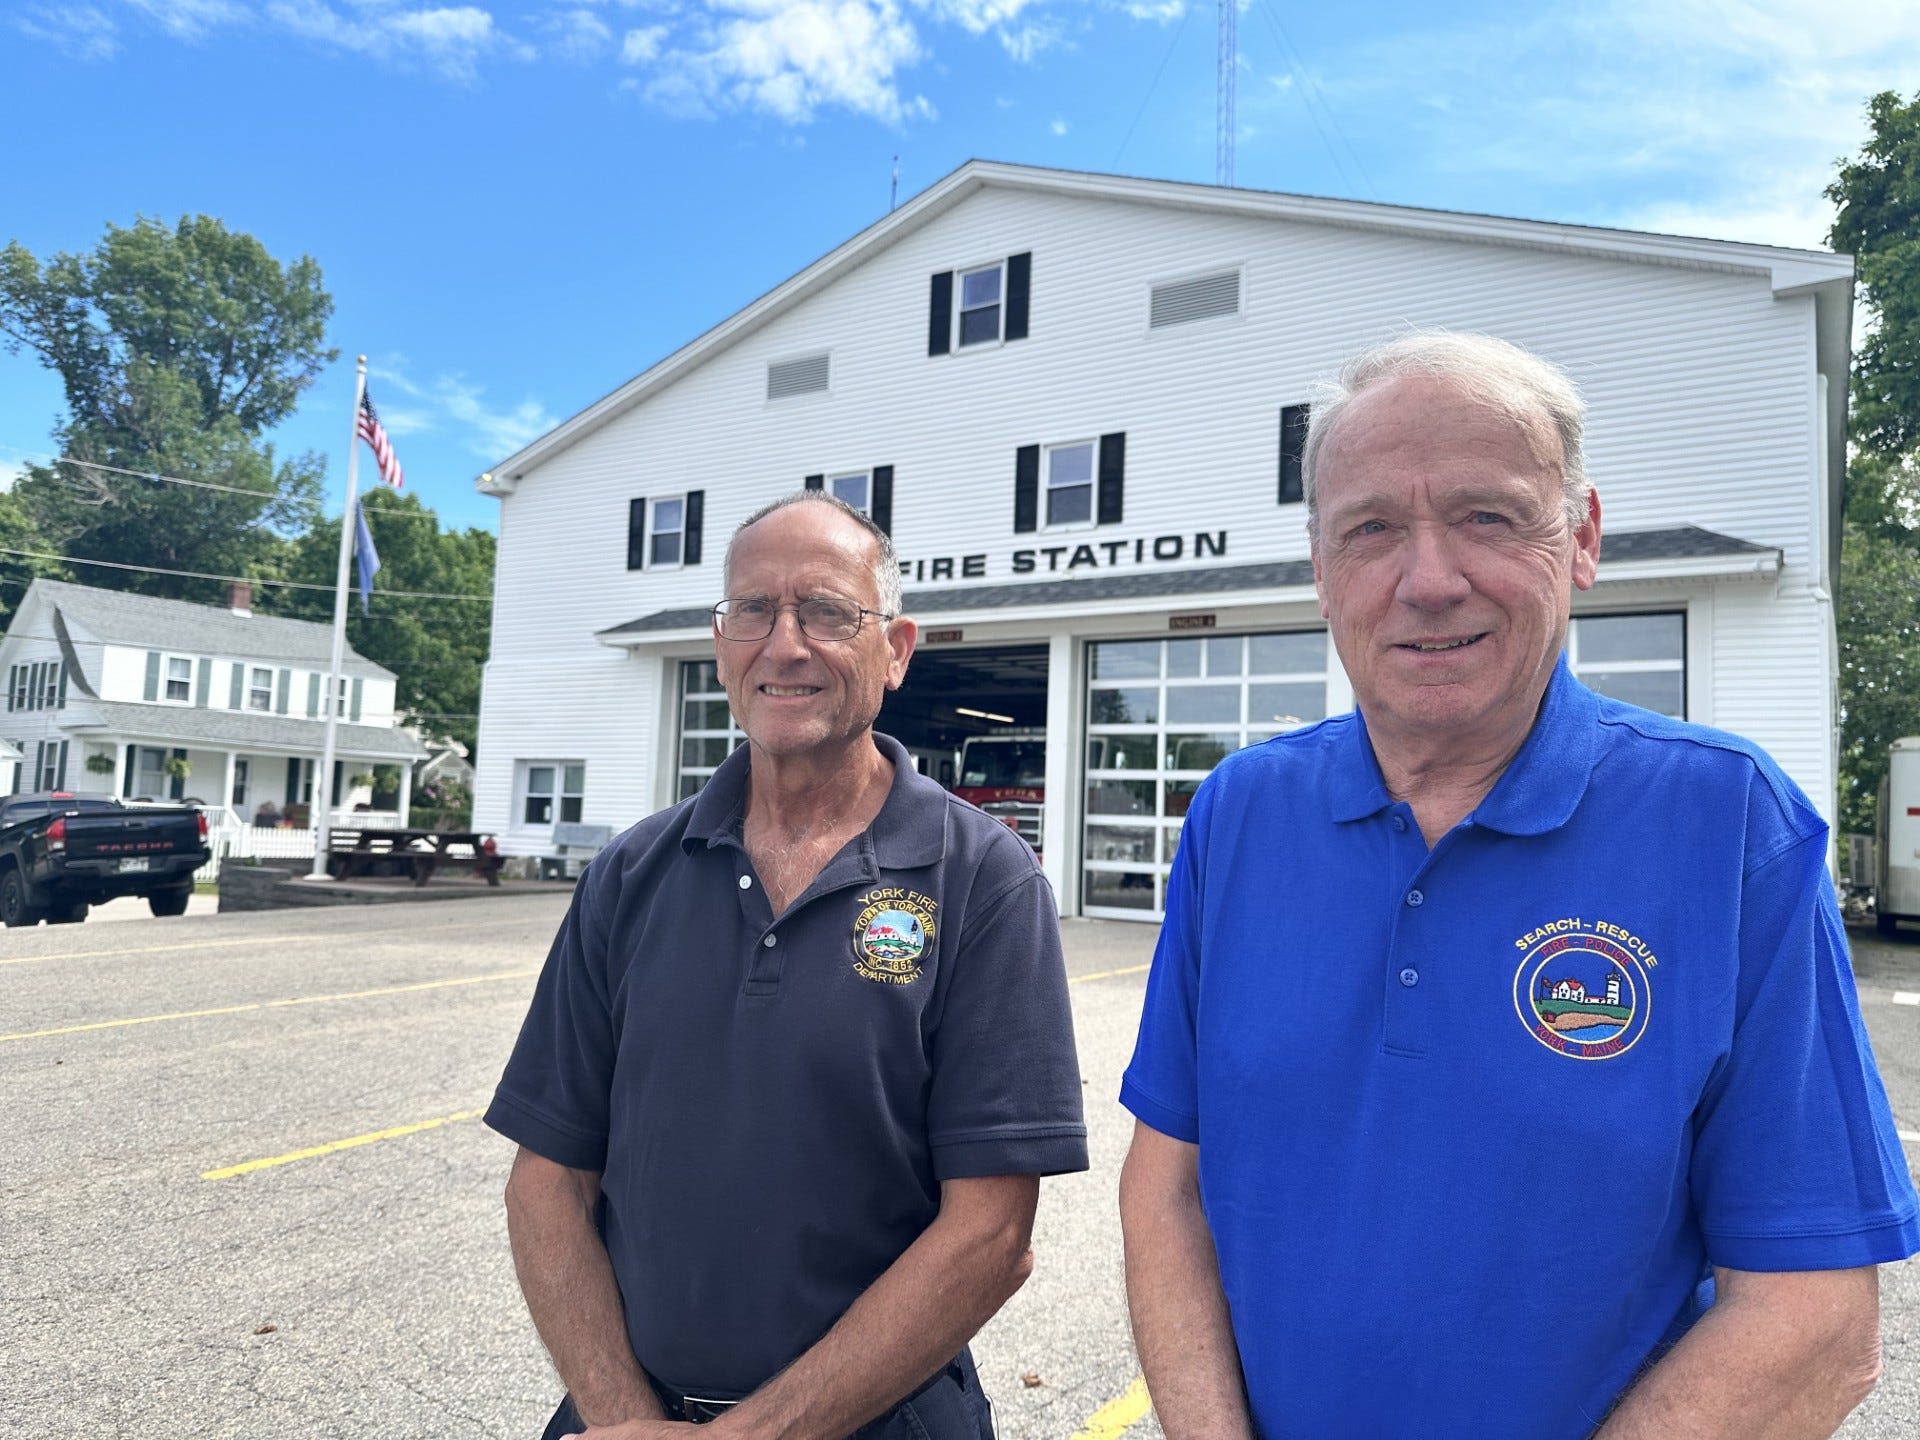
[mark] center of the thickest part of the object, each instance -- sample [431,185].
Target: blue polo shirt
[773,1102]
[1475,1123]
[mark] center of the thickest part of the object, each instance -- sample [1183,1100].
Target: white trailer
[1896,889]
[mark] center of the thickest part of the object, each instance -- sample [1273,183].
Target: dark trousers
[951,1407]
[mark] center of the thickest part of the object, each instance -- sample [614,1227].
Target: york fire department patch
[890,935]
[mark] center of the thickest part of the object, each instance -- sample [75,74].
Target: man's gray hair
[886,572]
[1494,372]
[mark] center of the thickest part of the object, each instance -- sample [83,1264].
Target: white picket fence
[267,842]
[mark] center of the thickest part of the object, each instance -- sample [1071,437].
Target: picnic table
[418,853]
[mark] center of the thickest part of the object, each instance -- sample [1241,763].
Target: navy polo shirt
[1475,1123]
[773,1102]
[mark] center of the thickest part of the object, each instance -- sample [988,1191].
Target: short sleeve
[1005,1096]
[1797,1164]
[1161,1085]
[553,1097]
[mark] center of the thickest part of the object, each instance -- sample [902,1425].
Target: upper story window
[868,491]
[663,531]
[991,304]
[1070,484]
[260,688]
[178,680]
[41,686]
[1083,483]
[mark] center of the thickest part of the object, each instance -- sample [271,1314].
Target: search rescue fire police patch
[1582,989]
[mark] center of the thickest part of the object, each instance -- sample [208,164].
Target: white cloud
[449,39]
[1026,43]
[189,19]
[1058,127]
[642,45]
[450,402]
[1163,11]
[82,31]
[1718,117]
[9,472]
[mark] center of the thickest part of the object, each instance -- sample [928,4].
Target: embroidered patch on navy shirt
[890,935]
[1583,988]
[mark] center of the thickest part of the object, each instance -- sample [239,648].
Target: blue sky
[519,206]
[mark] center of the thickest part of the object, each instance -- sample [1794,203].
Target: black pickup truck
[60,853]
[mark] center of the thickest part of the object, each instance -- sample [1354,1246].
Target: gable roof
[1826,276]
[120,617]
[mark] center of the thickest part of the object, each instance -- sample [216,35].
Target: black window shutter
[293,781]
[1293,445]
[816,482]
[1019,281]
[637,534]
[1026,489]
[126,778]
[152,691]
[178,790]
[883,497]
[694,515]
[1113,477]
[940,315]
[238,678]
[61,783]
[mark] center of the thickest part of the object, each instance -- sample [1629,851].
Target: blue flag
[369,562]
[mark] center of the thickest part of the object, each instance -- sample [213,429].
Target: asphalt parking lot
[244,1189]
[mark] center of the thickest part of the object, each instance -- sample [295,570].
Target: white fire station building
[1076,402]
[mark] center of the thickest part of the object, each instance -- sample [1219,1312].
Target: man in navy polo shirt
[799,1056]
[1501,1072]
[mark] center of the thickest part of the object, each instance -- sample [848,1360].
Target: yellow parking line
[265,1005]
[332,1145]
[250,940]
[1109,974]
[1117,1416]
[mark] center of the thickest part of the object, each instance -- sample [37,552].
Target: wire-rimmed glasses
[822,618]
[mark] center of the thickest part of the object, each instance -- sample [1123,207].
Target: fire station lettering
[1080,558]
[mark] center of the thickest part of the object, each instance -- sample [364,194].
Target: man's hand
[1180,1322]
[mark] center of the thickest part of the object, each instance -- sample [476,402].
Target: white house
[1076,402]
[104,687]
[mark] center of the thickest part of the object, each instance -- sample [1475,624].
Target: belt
[700,1409]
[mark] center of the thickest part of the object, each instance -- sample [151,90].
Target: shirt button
[746,882]
[1416,899]
[1409,977]
[768,942]
[1400,823]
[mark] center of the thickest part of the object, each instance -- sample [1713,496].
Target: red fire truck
[1006,776]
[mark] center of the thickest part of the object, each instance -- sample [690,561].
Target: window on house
[260,688]
[980,305]
[150,778]
[179,680]
[1641,659]
[664,531]
[553,788]
[1293,447]
[707,732]
[988,303]
[49,698]
[856,490]
[1070,484]
[53,754]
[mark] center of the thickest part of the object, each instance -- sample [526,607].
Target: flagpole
[322,809]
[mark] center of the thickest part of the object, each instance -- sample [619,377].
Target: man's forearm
[571,1292]
[1778,1357]
[1181,1326]
[910,1322]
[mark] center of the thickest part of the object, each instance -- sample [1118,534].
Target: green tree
[435,646]
[176,350]
[17,572]
[1877,195]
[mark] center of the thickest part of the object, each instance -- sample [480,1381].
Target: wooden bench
[418,853]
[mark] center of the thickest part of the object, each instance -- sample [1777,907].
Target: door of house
[240,776]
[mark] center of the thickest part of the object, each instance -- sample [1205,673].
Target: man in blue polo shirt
[1501,1072]
[798,1058]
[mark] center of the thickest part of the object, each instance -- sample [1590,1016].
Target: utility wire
[1309,92]
[1181,29]
[242,579]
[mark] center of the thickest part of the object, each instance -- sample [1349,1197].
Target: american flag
[370,430]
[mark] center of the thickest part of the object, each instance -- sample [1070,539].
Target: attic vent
[1201,298]
[797,377]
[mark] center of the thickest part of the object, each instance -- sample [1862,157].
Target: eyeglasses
[820,619]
